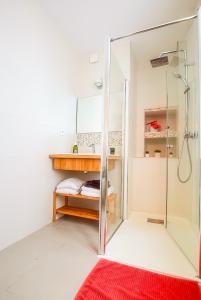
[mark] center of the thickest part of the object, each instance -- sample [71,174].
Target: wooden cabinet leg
[54,207]
[113,208]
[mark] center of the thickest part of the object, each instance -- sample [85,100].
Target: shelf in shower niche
[159,135]
[160,111]
[166,120]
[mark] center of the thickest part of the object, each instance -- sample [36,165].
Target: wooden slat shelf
[79,196]
[82,212]
[79,212]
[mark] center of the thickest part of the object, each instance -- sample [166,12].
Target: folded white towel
[71,183]
[95,192]
[67,191]
[89,189]
[90,194]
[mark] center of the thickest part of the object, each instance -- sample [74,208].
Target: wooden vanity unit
[81,162]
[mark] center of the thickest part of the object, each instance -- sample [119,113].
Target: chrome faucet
[93,148]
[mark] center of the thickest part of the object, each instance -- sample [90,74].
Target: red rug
[113,281]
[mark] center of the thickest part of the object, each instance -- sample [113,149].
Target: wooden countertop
[81,156]
[87,162]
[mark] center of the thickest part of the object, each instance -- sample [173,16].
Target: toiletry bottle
[75,148]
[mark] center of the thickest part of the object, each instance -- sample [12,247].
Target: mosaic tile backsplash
[84,140]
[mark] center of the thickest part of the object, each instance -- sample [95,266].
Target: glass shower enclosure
[182,144]
[112,181]
[183,157]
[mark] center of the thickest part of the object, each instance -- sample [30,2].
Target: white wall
[146,177]
[36,103]
[121,50]
[150,93]
[88,73]
[147,185]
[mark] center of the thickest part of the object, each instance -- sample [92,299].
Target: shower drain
[155,221]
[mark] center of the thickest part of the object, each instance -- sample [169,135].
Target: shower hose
[185,140]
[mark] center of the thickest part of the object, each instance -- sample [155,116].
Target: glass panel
[183,150]
[115,147]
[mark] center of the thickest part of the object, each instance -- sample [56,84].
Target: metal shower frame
[106,94]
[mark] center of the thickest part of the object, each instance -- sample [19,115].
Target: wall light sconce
[99,83]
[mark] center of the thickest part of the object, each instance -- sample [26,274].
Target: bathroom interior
[130,192]
[150,150]
[151,131]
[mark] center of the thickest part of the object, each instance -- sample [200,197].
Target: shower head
[179,76]
[159,61]
[163,58]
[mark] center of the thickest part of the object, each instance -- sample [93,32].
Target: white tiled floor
[187,236]
[51,263]
[149,246]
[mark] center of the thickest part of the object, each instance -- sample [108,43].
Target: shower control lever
[196,134]
[191,135]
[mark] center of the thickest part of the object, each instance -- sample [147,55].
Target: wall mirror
[89,113]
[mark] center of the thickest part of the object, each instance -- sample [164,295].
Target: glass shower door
[116,147]
[183,171]
[112,174]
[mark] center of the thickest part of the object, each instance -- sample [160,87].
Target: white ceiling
[149,45]
[87,22]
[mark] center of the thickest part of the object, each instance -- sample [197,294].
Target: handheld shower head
[179,76]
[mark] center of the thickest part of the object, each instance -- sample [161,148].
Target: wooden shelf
[78,196]
[160,111]
[83,212]
[79,212]
[160,134]
[83,197]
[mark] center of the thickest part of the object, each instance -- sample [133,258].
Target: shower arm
[175,51]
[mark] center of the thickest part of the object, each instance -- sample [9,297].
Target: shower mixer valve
[190,135]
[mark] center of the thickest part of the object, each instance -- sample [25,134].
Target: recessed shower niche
[160,134]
